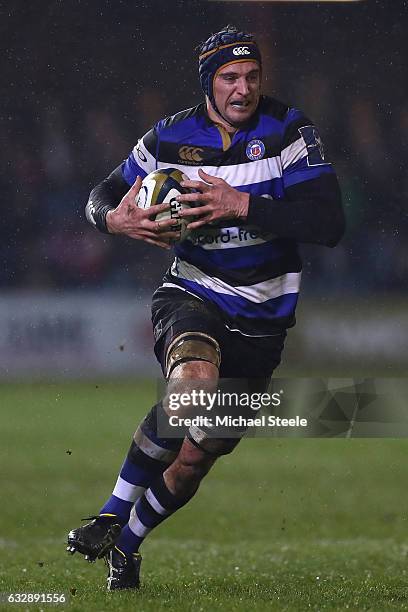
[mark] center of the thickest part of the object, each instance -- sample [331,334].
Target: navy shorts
[175,311]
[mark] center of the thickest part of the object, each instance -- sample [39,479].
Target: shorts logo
[255,149]
[241,51]
[191,154]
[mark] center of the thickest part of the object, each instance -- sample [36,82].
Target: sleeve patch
[314,145]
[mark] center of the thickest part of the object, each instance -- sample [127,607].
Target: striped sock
[153,507]
[148,457]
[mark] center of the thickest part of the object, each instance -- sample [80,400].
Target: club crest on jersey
[255,149]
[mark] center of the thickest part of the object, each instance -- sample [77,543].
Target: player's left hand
[217,200]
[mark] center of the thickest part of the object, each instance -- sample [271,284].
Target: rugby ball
[162,187]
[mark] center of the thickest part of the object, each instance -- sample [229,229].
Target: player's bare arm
[217,200]
[130,220]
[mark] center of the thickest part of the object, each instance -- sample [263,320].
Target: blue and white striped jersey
[252,275]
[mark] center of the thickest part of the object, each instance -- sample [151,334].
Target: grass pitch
[281,524]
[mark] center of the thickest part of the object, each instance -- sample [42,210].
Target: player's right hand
[130,220]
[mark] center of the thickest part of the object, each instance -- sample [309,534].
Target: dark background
[81,81]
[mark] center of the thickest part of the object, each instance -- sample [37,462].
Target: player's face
[236,91]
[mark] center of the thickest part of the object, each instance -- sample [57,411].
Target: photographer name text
[237,421]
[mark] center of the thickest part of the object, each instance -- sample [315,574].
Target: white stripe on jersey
[236,175]
[228,237]
[143,158]
[258,293]
[293,153]
[127,491]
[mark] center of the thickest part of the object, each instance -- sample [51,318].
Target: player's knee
[198,370]
[193,355]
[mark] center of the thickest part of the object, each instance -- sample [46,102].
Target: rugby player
[263,185]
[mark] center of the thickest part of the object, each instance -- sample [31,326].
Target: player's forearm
[105,197]
[317,217]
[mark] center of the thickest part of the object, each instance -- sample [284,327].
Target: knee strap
[212,446]
[192,346]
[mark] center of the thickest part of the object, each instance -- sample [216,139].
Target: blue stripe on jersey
[233,305]
[196,131]
[304,174]
[234,258]
[131,170]
[265,127]
[192,130]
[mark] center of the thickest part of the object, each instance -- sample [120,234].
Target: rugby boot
[94,540]
[123,570]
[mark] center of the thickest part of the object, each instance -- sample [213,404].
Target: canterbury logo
[190,154]
[241,51]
